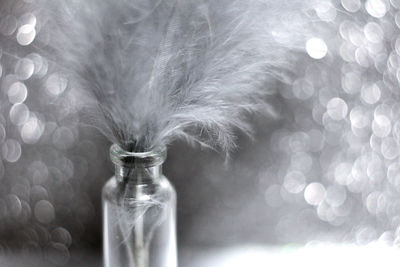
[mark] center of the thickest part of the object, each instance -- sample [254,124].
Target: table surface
[327,255]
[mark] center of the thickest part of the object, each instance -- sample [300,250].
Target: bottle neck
[138,167]
[138,174]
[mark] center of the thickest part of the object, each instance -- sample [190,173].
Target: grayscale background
[323,168]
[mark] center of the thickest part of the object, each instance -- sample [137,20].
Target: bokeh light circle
[316,48]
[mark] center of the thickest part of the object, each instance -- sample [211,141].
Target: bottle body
[139,218]
[139,229]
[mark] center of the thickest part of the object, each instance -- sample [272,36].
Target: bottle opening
[123,158]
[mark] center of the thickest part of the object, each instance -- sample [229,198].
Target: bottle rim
[124,158]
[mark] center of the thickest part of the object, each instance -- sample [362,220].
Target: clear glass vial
[139,212]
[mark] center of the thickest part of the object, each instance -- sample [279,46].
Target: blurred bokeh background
[322,173]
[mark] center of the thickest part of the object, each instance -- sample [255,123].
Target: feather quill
[156,71]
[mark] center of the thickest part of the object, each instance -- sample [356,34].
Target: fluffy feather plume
[166,69]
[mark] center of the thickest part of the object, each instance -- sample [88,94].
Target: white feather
[167,69]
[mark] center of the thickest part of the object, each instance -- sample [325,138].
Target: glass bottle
[139,212]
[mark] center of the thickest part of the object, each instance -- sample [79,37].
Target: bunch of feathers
[156,70]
